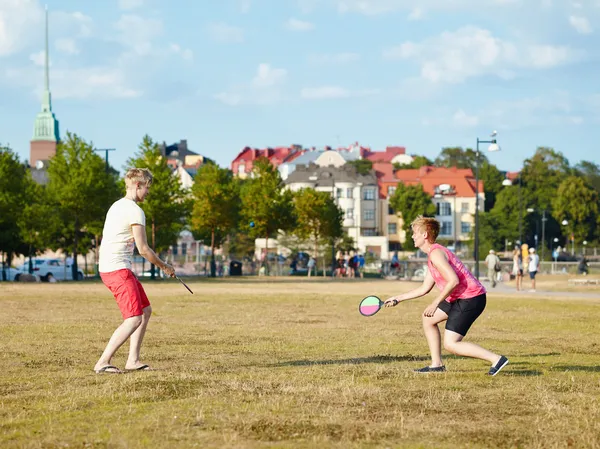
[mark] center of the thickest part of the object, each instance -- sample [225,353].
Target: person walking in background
[493,263]
[518,267]
[361,265]
[534,263]
[310,264]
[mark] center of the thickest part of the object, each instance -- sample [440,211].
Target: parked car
[51,269]
[12,274]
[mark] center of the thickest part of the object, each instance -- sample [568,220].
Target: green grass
[291,364]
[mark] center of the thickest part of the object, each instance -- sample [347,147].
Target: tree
[411,201]
[417,162]
[318,217]
[542,174]
[166,206]
[363,166]
[215,211]
[591,172]
[13,181]
[79,190]
[492,181]
[459,157]
[266,203]
[578,204]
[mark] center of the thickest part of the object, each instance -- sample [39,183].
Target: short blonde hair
[141,175]
[430,225]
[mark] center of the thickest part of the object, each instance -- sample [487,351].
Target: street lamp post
[493,147]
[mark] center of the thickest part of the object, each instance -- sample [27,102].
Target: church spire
[46,125]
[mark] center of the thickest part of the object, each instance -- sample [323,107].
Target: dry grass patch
[292,364]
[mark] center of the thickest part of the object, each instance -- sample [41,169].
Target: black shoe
[498,366]
[432,369]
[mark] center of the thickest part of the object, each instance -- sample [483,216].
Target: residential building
[243,164]
[356,195]
[184,162]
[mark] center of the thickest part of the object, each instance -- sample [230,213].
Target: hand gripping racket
[370,305]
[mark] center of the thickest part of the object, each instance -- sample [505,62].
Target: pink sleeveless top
[468,286]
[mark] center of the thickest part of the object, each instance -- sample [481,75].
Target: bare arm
[141,241]
[422,290]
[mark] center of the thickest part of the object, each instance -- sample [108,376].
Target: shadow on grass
[356,360]
[522,372]
[590,369]
[400,358]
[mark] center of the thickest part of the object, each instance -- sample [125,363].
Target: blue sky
[229,73]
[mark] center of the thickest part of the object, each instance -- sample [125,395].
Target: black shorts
[532,274]
[462,313]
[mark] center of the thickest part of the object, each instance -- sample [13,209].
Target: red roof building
[243,164]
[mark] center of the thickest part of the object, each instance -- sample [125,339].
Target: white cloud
[244,6]
[324,92]
[469,52]
[264,88]
[334,92]
[267,76]
[137,33]
[461,118]
[375,7]
[581,24]
[38,58]
[416,14]
[130,4]
[299,25]
[221,32]
[185,53]
[336,58]
[68,46]
[17,19]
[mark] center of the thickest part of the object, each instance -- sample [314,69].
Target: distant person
[460,301]
[534,263]
[310,265]
[492,261]
[518,267]
[124,228]
[395,265]
[361,265]
[583,268]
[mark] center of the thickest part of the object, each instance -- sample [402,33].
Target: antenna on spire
[47,61]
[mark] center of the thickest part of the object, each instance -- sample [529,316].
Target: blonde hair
[430,225]
[141,175]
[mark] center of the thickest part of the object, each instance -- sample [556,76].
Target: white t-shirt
[534,261]
[116,249]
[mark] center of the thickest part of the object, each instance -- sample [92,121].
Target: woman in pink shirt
[461,300]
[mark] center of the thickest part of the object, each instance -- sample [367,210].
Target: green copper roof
[46,125]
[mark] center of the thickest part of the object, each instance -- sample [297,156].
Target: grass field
[292,364]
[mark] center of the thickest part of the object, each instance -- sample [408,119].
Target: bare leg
[120,336]
[432,334]
[453,343]
[135,343]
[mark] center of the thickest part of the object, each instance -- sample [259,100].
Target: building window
[391,210]
[174,249]
[349,213]
[241,169]
[391,190]
[338,193]
[443,209]
[464,207]
[369,194]
[392,228]
[349,192]
[183,248]
[369,214]
[369,232]
[446,228]
[465,227]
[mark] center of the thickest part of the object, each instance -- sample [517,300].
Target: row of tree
[68,212]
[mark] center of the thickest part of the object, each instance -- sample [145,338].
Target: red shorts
[127,290]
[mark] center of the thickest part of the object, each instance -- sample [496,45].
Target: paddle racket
[370,305]
[189,290]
